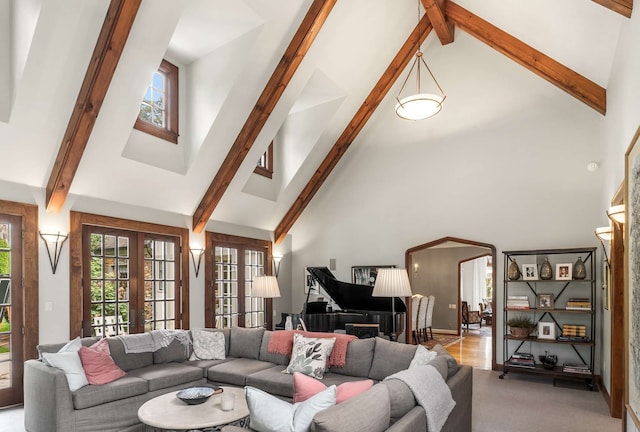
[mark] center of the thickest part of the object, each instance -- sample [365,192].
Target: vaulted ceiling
[307,75]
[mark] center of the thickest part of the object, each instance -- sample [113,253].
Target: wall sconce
[616,213]
[276,264]
[53,243]
[196,258]
[604,235]
[416,267]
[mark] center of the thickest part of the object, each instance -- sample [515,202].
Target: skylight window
[159,108]
[264,167]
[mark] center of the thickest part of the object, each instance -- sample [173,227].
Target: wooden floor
[474,349]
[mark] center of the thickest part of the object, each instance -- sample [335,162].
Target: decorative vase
[513,273]
[546,272]
[579,269]
[288,325]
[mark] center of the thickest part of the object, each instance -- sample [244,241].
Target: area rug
[442,339]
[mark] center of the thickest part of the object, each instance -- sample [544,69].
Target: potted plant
[520,327]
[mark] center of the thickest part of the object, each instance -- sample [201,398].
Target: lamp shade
[265,286]
[604,233]
[616,213]
[392,282]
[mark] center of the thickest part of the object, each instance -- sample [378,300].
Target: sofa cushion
[208,345]
[122,388]
[368,411]
[98,365]
[204,364]
[310,355]
[245,342]
[452,364]
[265,355]
[167,375]
[305,387]
[359,358]
[126,361]
[235,371]
[402,399]
[389,358]
[273,381]
[175,352]
[270,414]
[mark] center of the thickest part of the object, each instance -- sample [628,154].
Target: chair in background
[429,317]
[415,306]
[422,318]
[470,317]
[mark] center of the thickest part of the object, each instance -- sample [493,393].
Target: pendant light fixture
[428,97]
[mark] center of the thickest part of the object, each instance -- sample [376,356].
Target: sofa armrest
[461,385]
[42,412]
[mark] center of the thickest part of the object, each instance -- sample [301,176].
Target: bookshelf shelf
[545,302]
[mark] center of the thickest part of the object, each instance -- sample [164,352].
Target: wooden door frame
[494,266]
[617,311]
[77,220]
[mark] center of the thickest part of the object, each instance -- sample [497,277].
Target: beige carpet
[532,404]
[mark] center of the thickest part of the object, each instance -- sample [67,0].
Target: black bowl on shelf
[195,395]
[548,361]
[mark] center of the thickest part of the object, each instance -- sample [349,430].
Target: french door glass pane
[160,290]
[5,307]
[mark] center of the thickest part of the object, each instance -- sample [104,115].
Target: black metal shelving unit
[570,351]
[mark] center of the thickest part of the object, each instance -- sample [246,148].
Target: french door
[133,284]
[11,293]
[231,264]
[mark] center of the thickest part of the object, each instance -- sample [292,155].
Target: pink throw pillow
[305,386]
[98,365]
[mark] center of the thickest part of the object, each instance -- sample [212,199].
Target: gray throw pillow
[452,364]
[389,358]
[245,342]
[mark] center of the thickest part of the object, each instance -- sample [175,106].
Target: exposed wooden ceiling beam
[106,54]
[297,49]
[442,26]
[561,76]
[623,7]
[366,110]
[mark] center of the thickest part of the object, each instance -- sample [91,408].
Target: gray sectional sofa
[50,405]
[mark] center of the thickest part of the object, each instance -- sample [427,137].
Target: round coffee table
[167,412]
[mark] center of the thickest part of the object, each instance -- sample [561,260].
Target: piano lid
[353,297]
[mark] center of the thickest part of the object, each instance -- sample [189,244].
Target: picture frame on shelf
[564,271]
[546,330]
[366,275]
[529,272]
[545,301]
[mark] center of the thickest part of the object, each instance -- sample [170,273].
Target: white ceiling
[227,50]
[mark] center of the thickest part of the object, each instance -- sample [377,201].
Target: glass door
[10,310]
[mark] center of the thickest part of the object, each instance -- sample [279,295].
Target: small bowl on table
[195,395]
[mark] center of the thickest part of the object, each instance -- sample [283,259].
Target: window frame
[76,244]
[266,171]
[170,132]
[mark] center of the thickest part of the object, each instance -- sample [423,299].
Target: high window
[159,109]
[235,262]
[264,167]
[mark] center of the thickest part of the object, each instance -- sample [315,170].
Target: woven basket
[519,332]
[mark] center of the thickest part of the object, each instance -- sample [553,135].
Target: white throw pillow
[208,345]
[270,414]
[422,357]
[69,362]
[309,355]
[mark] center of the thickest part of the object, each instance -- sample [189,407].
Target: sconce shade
[392,282]
[265,286]
[616,213]
[276,264]
[604,233]
[53,242]
[196,258]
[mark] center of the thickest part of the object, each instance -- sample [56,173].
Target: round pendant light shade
[419,106]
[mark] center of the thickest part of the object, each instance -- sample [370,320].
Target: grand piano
[357,306]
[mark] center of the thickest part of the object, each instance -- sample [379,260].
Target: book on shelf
[576,368]
[518,297]
[564,338]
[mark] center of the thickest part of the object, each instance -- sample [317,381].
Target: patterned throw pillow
[208,345]
[309,355]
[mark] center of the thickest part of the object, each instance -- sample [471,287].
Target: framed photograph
[366,275]
[311,285]
[632,258]
[545,301]
[529,272]
[563,271]
[546,330]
